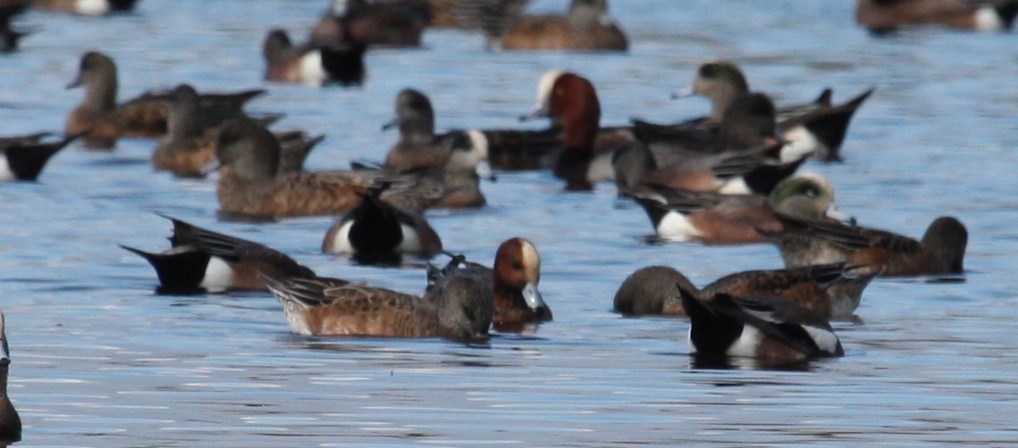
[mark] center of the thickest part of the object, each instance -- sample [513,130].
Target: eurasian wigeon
[881,16]
[806,242]
[313,64]
[335,307]
[772,330]
[201,260]
[23,158]
[10,422]
[514,280]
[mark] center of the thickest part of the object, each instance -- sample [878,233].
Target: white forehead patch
[544,86]
[531,259]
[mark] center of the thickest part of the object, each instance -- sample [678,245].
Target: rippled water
[99,360]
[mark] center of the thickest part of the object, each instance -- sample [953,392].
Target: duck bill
[392,124]
[77,82]
[539,112]
[684,92]
[834,213]
[536,303]
[212,167]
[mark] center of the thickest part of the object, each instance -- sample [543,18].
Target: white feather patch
[340,243]
[6,173]
[312,72]
[801,142]
[411,241]
[735,185]
[676,227]
[987,19]
[825,339]
[747,343]
[92,7]
[218,275]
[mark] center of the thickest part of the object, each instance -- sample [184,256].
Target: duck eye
[517,265]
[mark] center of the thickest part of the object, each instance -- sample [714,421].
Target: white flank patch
[676,227]
[6,173]
[341,240]
[601,168]
[801,142]
[218,275]
[93,7]
[746,345]
[312,72]
[826,340]
[735,185]
[479,142]
[411,242]
[987,19]
[295,317]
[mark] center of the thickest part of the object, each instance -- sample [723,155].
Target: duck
[585,27]
[10,421]
[418,146]
[252,183]
[324,306]
[526,149]
[203,261]
[832,291]
[85,7]
[376,232]
[883,16]
[186,149]
[816,128]
[941,251]
[312,63]
[23,157]
[771,330]
[714,218]
[387,24]
[103,121]
[519,306]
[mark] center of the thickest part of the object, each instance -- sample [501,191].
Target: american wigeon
[201,260]
[253,183]
[514,279]
[103,121]
[881,16]
[376,232]
[816,128]
[806,242]
[374,23]
[22,158]
[773,330]
[830,291]
[10,422]
[712,218]
[312,64]
[752,171]
[460,177]
[334,307]
[585,27]
[186,149]
[86,7]
[572,101]
[418,147]
[9,35]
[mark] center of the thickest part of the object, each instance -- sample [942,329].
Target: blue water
[99,360]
